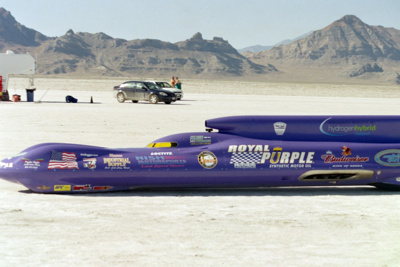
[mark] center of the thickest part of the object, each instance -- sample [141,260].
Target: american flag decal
[244,157]
[62,160]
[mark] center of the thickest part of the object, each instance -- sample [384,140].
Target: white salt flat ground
[357,226]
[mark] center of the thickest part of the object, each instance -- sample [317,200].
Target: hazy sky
[241,22]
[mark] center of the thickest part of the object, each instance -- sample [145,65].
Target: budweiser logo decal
[333,159]
[346,152]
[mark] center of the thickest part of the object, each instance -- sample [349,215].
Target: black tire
[121,97]
[167,102]
[135,101]
[153,99]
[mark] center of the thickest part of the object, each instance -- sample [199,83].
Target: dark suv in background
[142,91]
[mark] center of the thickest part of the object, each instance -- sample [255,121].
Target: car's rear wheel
[153,99]
[167,102]
[121,98]
[135,101]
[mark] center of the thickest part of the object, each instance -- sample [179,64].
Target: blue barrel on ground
[30,95]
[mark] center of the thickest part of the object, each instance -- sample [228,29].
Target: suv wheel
[153,99]
[121,98]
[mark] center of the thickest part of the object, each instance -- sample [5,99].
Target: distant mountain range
[255,48]
[259,48]
[348,50]
[344,38]
[99,54]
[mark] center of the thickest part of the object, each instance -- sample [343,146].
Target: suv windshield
[152,86]
[164,84]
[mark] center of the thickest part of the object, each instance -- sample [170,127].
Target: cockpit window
[163,144]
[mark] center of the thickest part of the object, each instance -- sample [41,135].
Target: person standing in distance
[172,82]
[178,83]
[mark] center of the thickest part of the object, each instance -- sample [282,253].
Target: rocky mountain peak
[6,15]
[197,36]
[14,33]
[70,33]
[197,43]
[350,20]
[347,26]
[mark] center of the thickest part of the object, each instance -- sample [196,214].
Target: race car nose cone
[7,174]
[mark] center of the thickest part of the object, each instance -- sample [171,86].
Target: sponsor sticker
[62,160]
[161,154]
[279,128]
[200,140]
[88,155]
[5,165]
[347,128]
[85,187]
[43,187]
[207,159]
[32,164]
[66,187]
[115,155]
[161,160]
[345,157]
[249,156]
[89,163]
[117,162]
[389,157]
[101,187]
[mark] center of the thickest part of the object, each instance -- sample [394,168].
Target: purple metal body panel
[364,129]
[248,151]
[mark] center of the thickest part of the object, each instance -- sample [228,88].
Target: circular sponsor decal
[207,159]
[388,157]
[43,187]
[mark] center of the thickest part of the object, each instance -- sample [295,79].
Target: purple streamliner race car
[234,152]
